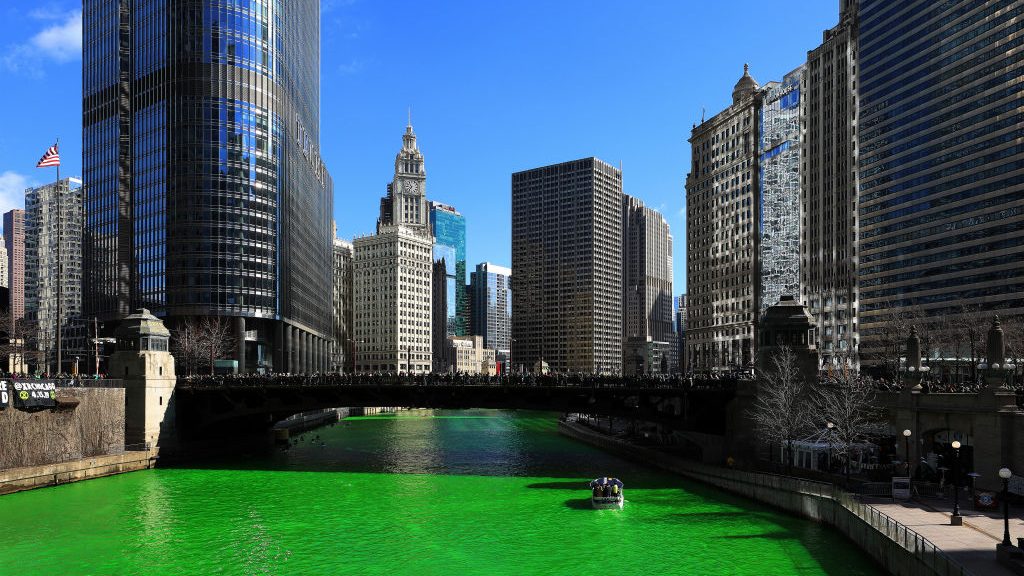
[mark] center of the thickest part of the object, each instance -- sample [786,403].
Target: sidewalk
[973,545]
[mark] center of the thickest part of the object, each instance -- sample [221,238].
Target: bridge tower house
[143,360]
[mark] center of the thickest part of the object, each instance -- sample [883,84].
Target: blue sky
[494,87]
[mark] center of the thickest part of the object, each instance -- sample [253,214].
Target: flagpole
[60,266]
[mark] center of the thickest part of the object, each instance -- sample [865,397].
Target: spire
[409,125]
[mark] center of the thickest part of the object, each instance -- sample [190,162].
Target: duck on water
[606,493]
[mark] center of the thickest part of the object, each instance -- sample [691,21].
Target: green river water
[420,493]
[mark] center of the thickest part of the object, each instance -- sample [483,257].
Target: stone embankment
[26,478]
[897,548]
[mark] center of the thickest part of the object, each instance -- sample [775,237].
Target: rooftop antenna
[410,115]
[701,114]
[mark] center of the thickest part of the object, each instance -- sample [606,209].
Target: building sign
[309,150]
[35,395]
[5,395]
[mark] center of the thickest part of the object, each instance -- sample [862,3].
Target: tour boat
[606,494]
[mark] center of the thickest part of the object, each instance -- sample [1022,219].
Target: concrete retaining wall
[897,549]
[93,427]
[17,479]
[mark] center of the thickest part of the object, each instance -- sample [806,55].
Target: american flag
[51,158]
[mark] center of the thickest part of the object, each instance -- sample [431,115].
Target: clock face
[410,186]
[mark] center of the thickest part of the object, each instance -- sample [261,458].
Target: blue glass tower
[449,229]
[205,192]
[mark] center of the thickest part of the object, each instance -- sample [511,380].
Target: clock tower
[406,201]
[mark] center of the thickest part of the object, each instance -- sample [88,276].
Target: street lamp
[906,444]
[1005,474]
[956,520]
[830,426]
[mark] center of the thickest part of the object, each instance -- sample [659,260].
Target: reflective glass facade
[941,163]
[205,189]
[449,229]
[779,172]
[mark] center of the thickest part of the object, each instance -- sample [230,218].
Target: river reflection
[469,492]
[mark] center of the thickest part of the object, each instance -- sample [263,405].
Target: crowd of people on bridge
[458,379]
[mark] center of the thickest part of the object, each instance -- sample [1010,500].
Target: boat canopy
[606,482]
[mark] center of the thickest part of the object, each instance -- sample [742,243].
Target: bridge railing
[83,382]
[557,381]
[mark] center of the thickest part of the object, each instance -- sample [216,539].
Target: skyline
[481,114]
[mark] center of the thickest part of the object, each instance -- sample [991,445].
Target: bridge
[213,406]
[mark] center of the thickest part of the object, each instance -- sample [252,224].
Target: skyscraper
[392,278]
[14,241]
[206,193]
[53,272]
[567,254]
[684,362]
[342,343]
[450,299]
[649,340]
[3,266]
[779,159]
[828,205]
[941,150]
[491,295]
[722,234]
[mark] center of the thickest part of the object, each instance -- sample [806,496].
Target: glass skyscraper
[449,228]
[779,171]
[205,191]
[941,160]
[491,306]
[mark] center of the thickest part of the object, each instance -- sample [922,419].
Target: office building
[941,153]
[3,267]
[779,179]
[467,355]
[14,243]
[343,344]
[722,235]
[649,339]
[567,254]
[680,319]
[828,205]
[451,304]
[392,278]
[491,306]
[206,192]
[53,274]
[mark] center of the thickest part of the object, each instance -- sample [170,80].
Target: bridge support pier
[143,361]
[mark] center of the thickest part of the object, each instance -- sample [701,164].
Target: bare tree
[215,338]
[781,412]
[198,343]
[845,405]
[186,346]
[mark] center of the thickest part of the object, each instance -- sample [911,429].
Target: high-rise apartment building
[14,242]
[3,265]
[342,345]
[647,331]
[680,318]
[392,278]
[206,193]
[941,154]
[491,296]
[53,272]
[722,235]
[828,204]
[779,159]
[451,305]
[567,255]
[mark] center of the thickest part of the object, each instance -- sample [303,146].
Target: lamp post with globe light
[956,519]
[1006,474]
[906,445]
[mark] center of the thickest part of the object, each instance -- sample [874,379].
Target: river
[422,493]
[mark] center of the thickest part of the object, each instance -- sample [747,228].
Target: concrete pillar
[289,343]
[305,353]
[320,354]
[300,352]
[149,380]
[239,322]
[279,346]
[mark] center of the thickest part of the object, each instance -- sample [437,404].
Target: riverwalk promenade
[972,545]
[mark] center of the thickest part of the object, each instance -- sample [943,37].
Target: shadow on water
[578,504]
[640,483]
[767,536]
